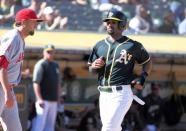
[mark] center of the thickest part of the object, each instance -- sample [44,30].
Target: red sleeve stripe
[3,62]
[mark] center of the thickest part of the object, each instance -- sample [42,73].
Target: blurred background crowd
[145,16]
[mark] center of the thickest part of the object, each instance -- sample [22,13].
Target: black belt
[109,88]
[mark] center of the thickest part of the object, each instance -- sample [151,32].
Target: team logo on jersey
[20,58]
[124,58]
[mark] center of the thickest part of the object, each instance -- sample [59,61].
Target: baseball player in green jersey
[113,59]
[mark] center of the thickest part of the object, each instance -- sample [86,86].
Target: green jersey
[120,57]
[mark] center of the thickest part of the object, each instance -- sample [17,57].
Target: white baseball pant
[9,117]
[46,117]
[114,106]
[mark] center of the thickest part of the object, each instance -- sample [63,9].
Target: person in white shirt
[182,26]
[139,22]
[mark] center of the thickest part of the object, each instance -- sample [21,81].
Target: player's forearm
[3,80]
[97,65]
[147,67]
[144,74]
[37,91]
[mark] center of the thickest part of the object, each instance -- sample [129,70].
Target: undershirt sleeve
[3,62]
[38,73]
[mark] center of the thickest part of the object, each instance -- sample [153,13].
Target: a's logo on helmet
[110,14]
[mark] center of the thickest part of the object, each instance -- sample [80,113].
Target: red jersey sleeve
[3,62]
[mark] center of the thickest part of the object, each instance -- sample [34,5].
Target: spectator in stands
[173,109]
[105,5]
[153,109]
[53,18]
[182,25]
[25,3]
[94,4]
[63,115]
[79,2]
[177,7]
[141,23]
[7,11]
[168,25]
[60,119]
[91,120]
[18,2]
[132,121]
[38,6]
[114,2]
[134,2]
[17,5]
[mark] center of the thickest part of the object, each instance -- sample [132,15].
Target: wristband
[144,74]
[143,77]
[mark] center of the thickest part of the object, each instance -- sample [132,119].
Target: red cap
[26,14]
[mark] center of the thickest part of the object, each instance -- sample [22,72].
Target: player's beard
[31,33]
[110,31]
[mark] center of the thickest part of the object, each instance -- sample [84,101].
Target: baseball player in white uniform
[12,47]
[113,59]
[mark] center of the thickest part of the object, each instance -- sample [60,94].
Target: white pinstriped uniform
[12,47]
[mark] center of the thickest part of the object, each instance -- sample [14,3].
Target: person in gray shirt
[46,84]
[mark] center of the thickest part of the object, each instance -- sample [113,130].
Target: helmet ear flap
[122,24]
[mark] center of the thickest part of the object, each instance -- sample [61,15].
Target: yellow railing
[84,40]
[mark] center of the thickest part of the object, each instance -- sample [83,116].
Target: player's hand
[136,84]
[9,100]
[98,63]
[139,82]
[41,103]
